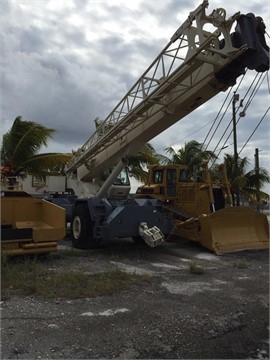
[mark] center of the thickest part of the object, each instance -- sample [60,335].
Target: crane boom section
[182,77]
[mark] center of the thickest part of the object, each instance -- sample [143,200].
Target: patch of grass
[195,268]
[241,264]
[17,271]
[28,277]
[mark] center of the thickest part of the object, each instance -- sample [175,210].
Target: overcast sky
[64,63]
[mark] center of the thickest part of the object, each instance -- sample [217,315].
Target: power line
[228,95]
[251,97]
[229,124]
[254,130]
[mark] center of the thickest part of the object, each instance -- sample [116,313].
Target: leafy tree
[19,151]
[137,165]
[249,184]
[193,153]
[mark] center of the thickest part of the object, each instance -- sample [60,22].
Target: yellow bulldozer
[203,209]
[29,225]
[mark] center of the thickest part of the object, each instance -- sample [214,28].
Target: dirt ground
[220,314]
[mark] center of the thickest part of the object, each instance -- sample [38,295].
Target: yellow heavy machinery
[203,210]
[30,225]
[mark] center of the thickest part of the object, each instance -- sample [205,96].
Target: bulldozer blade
[234,229]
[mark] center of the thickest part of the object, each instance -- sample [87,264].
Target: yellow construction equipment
[30,225]
[203,210]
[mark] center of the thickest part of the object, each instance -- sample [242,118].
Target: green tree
[19,152]
[137,164]
[192,153]
[248,183]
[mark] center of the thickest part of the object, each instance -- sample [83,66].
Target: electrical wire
[254,130]
[229,124]
[214,132]
[249,101]
[242,114]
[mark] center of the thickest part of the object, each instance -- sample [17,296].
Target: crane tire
[82,229]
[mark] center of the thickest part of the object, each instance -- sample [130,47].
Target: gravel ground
[220,314]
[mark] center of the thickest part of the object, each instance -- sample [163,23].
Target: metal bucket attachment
[234,229]
[153,236]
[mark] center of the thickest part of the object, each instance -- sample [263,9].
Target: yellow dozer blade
[227,230]
[234,229]
[30,225]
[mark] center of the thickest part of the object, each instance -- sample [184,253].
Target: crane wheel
[82,229]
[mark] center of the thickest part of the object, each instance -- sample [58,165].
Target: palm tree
[247,183]
[192,154]
[137,164]
[19,152]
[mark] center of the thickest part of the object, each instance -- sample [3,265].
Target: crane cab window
[122,178]
[157,176]
[171,176]
[171,183]
[183,175]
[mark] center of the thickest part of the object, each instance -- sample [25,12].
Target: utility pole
[235,99]
[257,167]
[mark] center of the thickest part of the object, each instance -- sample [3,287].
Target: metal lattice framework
[176,70]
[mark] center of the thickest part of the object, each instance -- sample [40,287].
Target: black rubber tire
[82,229]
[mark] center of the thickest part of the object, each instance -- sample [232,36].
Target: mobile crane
[193,67]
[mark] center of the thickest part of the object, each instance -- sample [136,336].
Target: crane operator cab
[120,187]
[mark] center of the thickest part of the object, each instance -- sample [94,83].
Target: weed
[28,277]
[241,264]
[17,271]
[194,268]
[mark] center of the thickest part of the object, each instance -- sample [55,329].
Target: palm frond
[29,137]
[41,164]
[19,151]
[23,140]
[191,154]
